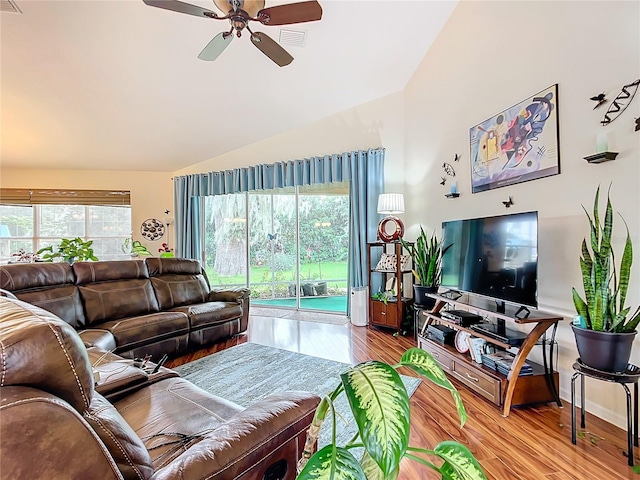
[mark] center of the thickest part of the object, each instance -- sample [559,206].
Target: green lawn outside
[314,272]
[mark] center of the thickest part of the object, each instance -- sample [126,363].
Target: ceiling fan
[240,13]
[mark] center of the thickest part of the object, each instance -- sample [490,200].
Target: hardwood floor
[533,443]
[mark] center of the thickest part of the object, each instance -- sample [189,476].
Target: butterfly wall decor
[600,98]
[637,124]
[273,237]
[443,180]
[508,203]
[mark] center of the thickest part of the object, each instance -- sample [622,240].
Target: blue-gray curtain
[364,170]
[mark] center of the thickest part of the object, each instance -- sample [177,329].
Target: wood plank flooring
[533,443]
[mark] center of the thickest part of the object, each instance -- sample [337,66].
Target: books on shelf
[502,361]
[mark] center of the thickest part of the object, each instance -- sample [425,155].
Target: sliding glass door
[272,247]
[289,246]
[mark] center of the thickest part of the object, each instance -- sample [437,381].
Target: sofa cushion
[91,272]
[22,276]
[175,290]
[175,266]
[113,300]
[43,437]
[28,335]
[177,281]
[98,337]
[63,301]
[47,285]
[186,409]
[202,315]
[135,331]
[125,446]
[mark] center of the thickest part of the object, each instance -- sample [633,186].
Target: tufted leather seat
[54,424]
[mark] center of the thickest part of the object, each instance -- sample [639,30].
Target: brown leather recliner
[53,424]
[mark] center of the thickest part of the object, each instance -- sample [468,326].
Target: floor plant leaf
[380,406]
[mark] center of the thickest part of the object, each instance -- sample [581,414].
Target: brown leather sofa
[55,425]
[133,307]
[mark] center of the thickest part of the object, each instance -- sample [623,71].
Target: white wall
[492,55]
[375,124]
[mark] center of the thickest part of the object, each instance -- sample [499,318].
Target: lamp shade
[391,203]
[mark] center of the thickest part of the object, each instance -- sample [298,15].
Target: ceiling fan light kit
[240,13]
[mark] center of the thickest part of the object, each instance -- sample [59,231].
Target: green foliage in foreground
[380,407]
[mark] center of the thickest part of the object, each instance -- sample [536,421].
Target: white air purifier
[360,306]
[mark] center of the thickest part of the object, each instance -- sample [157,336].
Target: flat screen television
[493,257]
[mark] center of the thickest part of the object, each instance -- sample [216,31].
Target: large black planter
[420,298]
[605,351]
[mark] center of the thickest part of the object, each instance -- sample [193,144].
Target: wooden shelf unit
[392,313]
[503,390]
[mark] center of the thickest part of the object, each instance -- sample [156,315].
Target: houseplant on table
[380,406]
[426,253]
[606,327]
[69,250]
[135,248]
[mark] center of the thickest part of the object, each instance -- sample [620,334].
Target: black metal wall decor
[621,102]
[449,170]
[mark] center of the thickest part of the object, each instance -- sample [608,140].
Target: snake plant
[605,287]
[380,407]
[426,254]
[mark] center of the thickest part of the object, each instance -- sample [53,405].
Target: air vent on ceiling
[294,38]
[9,6]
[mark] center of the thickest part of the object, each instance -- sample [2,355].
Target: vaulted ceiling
[104,84]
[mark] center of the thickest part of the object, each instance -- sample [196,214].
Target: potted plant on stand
[426,254]
[604,328]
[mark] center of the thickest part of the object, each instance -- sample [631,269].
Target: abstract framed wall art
[518,144]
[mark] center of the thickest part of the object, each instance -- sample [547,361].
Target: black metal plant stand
[631,375]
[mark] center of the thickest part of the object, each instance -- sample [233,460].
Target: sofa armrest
[245,446]
[95,337]
[238,295]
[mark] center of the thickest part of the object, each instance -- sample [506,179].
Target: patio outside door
[289,246]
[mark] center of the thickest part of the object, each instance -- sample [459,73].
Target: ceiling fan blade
[271,48]
[291,13]
[216,46]
[181,7]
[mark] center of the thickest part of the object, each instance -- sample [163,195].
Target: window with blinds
[31,219]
